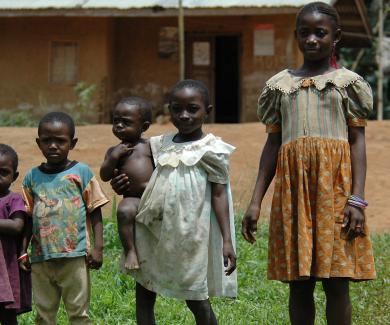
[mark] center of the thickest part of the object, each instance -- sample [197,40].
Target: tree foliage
[364,61]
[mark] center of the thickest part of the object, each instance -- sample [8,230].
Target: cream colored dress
[178,238]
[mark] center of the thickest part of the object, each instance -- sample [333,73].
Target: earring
[333,58]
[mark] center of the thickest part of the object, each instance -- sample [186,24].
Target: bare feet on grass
[131,261]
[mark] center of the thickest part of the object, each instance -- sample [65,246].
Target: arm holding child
[220,204]
[267,168]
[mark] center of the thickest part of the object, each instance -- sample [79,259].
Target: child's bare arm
[111,160]
[26,238]
[13,225]
[353,216]
[95,256]
[266,173]
[220,203]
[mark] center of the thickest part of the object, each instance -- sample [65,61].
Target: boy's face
[127,123]
[188,111]
[55,142]
[7,174]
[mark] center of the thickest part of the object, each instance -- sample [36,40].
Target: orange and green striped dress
[313,177]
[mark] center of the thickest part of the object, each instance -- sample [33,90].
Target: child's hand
[229,258]
[120,150]
[249,224]
[353,223]
[95,258]
[25,265]
[120,182]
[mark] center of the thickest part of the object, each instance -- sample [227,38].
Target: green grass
[259,301]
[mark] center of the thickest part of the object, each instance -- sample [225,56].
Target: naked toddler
[132,156]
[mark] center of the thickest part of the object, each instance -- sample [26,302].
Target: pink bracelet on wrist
[23,257]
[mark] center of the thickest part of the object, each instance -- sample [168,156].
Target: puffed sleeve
[359,103]
[216,162]
[268,109]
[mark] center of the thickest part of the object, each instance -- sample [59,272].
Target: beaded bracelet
[22,257]
[357,201]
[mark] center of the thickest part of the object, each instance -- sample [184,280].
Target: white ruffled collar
[190,153]
[288,83]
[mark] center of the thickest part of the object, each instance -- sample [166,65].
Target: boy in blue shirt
[64,200]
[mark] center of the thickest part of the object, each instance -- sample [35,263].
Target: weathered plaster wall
[25,56]
[120,55]
[139,69]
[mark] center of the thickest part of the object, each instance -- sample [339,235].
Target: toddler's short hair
[7,150]
[58,117]
[144,106]
[195,84]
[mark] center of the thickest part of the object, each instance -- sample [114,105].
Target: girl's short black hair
[144,106]
[195,84]
[321,8]
[61,117]
[6,150]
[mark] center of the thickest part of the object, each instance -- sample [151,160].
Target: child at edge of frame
[64,201]
[315,118]
[185,223]
[15,283]
[132,156]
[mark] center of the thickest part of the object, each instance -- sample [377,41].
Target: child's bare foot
[131,261]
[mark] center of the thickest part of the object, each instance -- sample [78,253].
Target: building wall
[120,56]
[25,55]
[139,69]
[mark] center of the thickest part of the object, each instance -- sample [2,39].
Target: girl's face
[316,36]
[188,111]
[7,173]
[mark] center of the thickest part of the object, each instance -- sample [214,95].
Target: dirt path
[248,139]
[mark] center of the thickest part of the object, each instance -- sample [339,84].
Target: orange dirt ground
[248,138]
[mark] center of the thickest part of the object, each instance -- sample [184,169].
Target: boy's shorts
[64,277]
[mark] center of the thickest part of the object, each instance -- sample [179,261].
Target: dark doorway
[227,79]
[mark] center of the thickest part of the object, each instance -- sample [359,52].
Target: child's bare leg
[145,301]
[127,210]
[301,302]
[203,313]
[338,304]
[7,317]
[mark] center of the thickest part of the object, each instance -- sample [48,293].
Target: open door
[214,60]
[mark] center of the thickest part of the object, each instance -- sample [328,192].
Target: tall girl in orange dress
[315,118]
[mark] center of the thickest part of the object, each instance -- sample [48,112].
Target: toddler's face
[55,142]
[127,124]
[7,174]
[188,111]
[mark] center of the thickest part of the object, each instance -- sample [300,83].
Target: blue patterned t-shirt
[59,205]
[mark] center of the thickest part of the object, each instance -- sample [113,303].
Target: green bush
[17,118]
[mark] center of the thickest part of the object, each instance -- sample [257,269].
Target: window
[64,63]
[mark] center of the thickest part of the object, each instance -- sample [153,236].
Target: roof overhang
[354,19]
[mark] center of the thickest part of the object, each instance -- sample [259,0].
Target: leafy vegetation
[364,61]
[259,301]
[81,110]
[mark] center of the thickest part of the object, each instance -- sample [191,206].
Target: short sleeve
[16,204]
[93,195]
[268,109]
[216,166]
[359,103]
